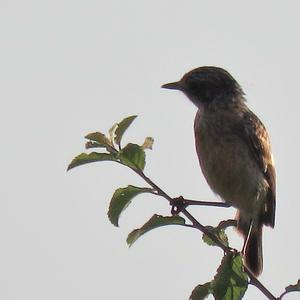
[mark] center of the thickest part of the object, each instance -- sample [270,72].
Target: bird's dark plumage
[234,152]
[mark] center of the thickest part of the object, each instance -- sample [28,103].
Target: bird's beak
[173,86]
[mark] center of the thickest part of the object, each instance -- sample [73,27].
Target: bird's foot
[178,204]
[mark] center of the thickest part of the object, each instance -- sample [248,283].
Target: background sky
[68,68]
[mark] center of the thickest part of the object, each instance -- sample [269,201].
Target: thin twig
[254,281]
[196,224]
[205,203]
[203,229]
[283,294]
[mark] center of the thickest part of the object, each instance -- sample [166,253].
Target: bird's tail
[252,250]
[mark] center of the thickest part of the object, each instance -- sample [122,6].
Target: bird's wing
[256,137]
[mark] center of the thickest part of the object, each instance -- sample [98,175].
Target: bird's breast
[225,161]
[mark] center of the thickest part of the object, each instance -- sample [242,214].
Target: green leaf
[219,233]
[133,156]
[230,282]
[121,199]
[121,128]
[155,222]
[98,139]
[90,144]
[207,239]
[148,143]
[85,158]
[201,291]
[293,287]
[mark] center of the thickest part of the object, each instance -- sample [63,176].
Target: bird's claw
[178,204]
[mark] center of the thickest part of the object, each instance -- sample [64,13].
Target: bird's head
[205,85]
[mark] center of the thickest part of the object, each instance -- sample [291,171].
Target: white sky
[68,68]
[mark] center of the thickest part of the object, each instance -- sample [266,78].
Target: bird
[234,152]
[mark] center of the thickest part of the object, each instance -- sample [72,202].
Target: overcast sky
[68,68]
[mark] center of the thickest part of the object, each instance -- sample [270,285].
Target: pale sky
[68,68]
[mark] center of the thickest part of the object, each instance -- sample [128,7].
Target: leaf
[230,282]
[207,239]
[201,291]
[99,140]
[111,133]
[133,156]
[293,287]
[155,222]
[219,233]
[90,144]
[85,158]
[223,237]
[121,199]
[121,128]
[227,223]
[148,143]
[98,137]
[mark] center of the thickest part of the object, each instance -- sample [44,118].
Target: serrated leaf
[121,199]
[121,128]
[148,143]
[133,156]
[230,282]
[293,287]
[201,291]
[219,233]
[85,158]
[155,222]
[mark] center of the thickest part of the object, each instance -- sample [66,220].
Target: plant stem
[253,280]
[205,203]
[195,223]
[203,229]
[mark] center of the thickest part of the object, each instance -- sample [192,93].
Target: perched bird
[234,152]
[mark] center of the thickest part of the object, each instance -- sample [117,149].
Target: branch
[189,202]
[195,223]
[133,156]
[253,280]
